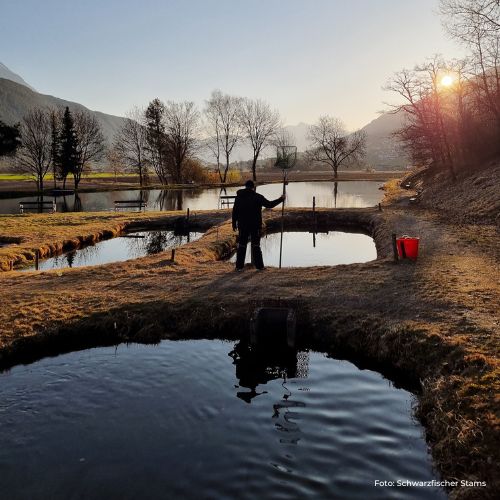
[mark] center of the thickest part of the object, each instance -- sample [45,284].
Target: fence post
[394,247]
[172,257]
[36,260]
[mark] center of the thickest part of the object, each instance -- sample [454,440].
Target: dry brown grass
[433,321]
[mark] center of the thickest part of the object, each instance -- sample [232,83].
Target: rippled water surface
[117,249]
[301,249]
[185,420]
[300,194]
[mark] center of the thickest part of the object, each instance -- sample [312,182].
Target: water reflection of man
[257,367]
[247,218]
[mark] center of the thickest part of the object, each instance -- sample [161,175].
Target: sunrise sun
[447,80]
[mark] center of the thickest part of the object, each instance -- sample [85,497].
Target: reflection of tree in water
[170,199]
[144,195]
[175,199]
[64,206]
[151,242]
[77,203]
[70,257]
[86,256]
[256,367]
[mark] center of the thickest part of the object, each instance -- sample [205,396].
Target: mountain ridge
[8,74]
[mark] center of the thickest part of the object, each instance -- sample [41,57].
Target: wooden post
[188,214]
[282,215]
[394,247]
[172,257]
[36,260]
[379,207]
[315,224]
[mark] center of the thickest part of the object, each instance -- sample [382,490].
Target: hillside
[383,150]
[472,198]
[14,77]
[16,99]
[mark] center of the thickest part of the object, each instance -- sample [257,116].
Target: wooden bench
[38,206]
[125,204]
[226,201]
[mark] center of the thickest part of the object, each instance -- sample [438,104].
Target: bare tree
[34,156]
[259,123]
[331,144]
[130,143]
[181,130]
[115,162]
[463,17]
[227,108]
[90,144]
[212,125]
[476,24]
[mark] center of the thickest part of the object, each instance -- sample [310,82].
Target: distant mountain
[383,151]
[17,99]
[14,77]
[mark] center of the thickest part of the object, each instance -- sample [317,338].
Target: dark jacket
[247,209]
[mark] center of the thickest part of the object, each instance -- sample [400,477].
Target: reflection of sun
[447,80]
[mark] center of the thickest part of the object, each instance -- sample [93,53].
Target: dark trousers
[254,235]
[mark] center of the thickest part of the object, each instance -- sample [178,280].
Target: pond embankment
[432,322]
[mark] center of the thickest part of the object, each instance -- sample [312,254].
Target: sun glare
[447,80]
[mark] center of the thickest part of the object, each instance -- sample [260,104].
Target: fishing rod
[286,157]
[283,213]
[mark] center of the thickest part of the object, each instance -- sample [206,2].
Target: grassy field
[50,177]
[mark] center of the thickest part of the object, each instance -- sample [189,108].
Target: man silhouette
[247,218]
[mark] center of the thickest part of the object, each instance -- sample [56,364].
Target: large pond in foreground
[355,194]
[301,249]
[205,419]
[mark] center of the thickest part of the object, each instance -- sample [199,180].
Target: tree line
[452,108]
[57,141]
[166,139]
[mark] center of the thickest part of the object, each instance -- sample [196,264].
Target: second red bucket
[407,247]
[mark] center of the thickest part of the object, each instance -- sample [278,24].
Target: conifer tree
[68,155]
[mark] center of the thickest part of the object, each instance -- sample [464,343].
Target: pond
[302,249]
[205,419]
[355,194]
[130,246]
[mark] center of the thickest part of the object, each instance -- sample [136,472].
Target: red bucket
[407,247]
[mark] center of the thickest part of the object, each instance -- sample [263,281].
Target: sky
[307,58]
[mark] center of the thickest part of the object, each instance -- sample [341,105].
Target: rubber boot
[240,256]
[257,257]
